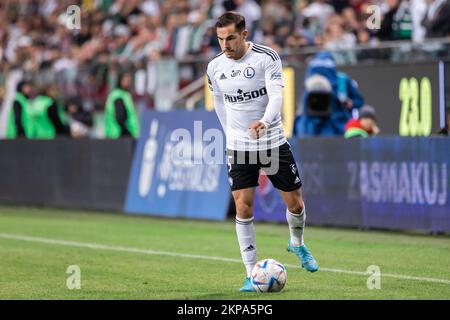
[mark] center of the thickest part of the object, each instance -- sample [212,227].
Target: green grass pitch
[136,257]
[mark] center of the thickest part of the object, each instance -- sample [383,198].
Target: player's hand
[257,130]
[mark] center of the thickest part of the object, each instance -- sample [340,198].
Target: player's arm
[275,94]
[219,105]
[274,86]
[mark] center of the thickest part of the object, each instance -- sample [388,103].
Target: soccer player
[246,81]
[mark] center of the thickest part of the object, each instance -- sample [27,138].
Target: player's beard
[233,54]
[229,54]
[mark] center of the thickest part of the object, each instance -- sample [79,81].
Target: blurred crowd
[34,34]
[118,35]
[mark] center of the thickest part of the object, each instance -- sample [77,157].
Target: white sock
[296,226]
[247,243]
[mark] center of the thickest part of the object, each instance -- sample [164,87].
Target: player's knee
[244,208]
[296,208]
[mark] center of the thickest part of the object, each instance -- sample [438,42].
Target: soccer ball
[268,275]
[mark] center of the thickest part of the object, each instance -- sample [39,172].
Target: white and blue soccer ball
[268,275]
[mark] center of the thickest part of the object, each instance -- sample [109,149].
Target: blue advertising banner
[179,167]
[383,182]
[328,186]
[404,184]
[322,164]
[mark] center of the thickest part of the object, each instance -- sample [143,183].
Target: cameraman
[328,99]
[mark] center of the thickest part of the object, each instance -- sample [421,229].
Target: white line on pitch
[96,246]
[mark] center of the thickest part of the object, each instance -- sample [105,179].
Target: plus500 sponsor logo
[245,96]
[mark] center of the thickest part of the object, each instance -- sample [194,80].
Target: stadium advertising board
[178,167]
[383,182]
[322,163]
[408,101]
[65,173]
[404,184]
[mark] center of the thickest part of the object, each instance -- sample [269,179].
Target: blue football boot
[306,259]
[247,287]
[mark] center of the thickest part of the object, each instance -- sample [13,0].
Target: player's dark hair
[231,17]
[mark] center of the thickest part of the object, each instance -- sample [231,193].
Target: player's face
[231,41]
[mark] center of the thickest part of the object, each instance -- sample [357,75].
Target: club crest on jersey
[249,72]
[235,73]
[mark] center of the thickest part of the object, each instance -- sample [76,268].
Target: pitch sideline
[96,246]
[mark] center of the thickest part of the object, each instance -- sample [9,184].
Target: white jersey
[245,86]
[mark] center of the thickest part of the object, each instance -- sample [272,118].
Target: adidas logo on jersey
[297,180]
[223,77]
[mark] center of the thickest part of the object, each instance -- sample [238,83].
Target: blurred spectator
[358,5]
[350,20]
[121,119]
[318,12]
[437,18]
[418,11]
[252,12]
[340,41]
[397,22]
[364,126]
[48,116]
[121,35]
[446,129]
[80,121]
[328,98]
[340,5]
[19,121]
[199,26]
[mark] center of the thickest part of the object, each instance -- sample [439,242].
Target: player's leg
[296,217]
[287,181]
[245,231]
[243,180]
